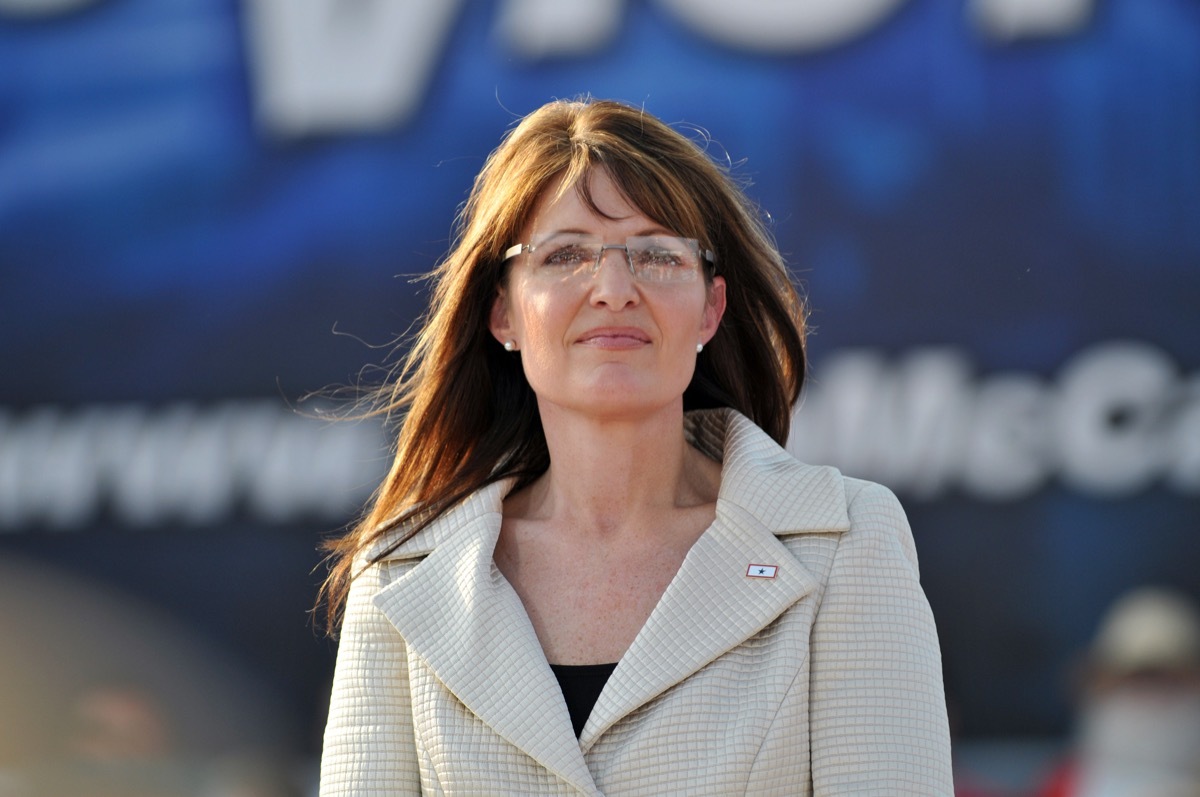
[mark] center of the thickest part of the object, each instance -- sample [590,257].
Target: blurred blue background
[209,209]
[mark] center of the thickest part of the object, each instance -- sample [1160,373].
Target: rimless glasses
[651,258]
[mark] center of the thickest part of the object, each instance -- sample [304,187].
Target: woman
[592,569]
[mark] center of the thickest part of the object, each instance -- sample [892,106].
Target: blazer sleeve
[878,708]
[369,747]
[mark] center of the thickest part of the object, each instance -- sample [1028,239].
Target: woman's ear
[498,320]
[714,309]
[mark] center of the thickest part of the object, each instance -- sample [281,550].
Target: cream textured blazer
[822,680]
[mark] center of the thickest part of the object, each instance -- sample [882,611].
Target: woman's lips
[614,338]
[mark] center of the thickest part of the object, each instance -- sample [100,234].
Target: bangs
[656,193]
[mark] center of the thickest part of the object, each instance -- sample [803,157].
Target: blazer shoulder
[877,515]
[863,493]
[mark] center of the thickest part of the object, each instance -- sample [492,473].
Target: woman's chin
[621,402]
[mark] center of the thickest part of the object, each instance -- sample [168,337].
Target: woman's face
[603,343]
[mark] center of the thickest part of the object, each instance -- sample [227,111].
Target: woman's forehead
[593,200]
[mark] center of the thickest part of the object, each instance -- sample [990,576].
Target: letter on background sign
[545,28]
[784,26]
[325,66]
[1007,456]
[1185,438]
[1012,19]
[1111,417]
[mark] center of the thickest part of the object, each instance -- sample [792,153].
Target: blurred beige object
[88,674]
[1139,722]
[1148,629]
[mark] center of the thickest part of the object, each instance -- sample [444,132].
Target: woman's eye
[660,258]
[567,256]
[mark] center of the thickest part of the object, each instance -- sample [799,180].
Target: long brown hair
[469,418]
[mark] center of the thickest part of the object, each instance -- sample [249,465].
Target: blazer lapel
[710,607]
[715,603]
[458,613]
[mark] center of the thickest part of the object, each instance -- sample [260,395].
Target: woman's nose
[613,282]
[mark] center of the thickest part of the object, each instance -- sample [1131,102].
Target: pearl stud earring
[509,345]
[699,348]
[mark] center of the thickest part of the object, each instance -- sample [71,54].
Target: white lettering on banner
[1118,418]
[1184,444]
[1013,19]
[1005,437]
[183,464]
[332,66]
[782,25]
[323,66]
[1112,417]
[917,409]
[547,28]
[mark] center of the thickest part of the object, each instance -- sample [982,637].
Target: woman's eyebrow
[646,232]
[566,231]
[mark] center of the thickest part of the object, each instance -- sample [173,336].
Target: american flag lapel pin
[761,571]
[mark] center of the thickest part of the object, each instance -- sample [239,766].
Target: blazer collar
[765,481]
[456,611]
[714,604]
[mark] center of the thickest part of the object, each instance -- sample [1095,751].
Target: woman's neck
[614,477]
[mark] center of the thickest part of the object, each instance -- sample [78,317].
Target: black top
[581,686]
